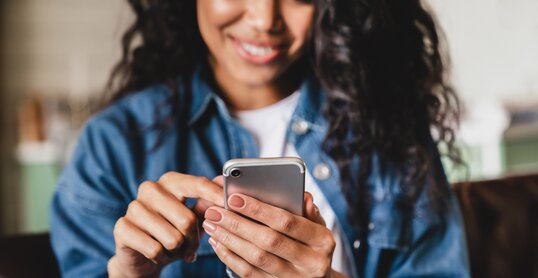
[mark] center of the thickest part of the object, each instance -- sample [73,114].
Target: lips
[257,52]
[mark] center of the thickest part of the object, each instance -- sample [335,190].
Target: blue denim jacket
[115,154]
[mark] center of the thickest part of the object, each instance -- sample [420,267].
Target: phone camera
[235,173]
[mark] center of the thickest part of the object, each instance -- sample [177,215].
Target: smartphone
[276,181]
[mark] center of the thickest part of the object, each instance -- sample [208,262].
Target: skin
[245,85]
[159,228]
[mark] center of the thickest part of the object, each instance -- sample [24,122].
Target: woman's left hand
[282,244]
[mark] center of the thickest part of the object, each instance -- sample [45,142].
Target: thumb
[219,180]
[311,210]
[202,205]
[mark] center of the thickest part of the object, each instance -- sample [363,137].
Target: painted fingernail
[209,227]
[212,242]
[236,201]
[213,215]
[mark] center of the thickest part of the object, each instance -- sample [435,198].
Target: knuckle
[256,210]
[322,269]
[173,241]
[201,180]
[287,223]
[134,208]
[190,218]
[260,258]
[186,219]
[329,243]
[273,241]
[234,224]
[167,176]
[145,188]
[153,251]
[248,272]
[227,239]
[119,227]
[187,225]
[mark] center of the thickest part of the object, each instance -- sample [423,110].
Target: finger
[219,180]
[163,203]
[202,205]
[261,236]
[237,264]
[129,236]
[181,185]
[312,211]
[154,225]
[294,226]
[254,255]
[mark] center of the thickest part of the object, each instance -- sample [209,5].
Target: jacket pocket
[388,227]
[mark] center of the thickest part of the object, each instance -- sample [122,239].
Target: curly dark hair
[380,62]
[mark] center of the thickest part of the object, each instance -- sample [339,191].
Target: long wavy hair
[381,63]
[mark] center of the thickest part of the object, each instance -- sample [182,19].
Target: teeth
[256,50]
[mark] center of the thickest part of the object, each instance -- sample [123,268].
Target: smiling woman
[351,87]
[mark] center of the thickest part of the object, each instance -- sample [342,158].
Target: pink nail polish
[213,215]
[236,201]
[212,242]
[209,227]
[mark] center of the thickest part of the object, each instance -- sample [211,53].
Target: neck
[240,96]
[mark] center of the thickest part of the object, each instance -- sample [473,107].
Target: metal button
[371,226]
[357,244]
[322,171]
[300,127]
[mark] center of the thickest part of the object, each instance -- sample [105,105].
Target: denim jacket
[116,152]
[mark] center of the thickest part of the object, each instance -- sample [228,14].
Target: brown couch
[27,256]
[501,220]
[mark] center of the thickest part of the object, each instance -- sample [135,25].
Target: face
[254,41]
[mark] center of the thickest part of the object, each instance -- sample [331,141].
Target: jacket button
[300,127]
[357,244]
[322,171]
[371,226]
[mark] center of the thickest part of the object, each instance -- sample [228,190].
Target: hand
[158,227]
[281,244]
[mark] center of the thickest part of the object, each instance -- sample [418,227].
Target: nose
[264,15]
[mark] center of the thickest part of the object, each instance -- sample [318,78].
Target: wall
[53,47]
[494,47]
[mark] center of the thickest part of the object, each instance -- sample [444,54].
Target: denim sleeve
[437,248]
[423,244]
[90,196]
[425,241]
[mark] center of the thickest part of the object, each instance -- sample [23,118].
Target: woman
[352,87]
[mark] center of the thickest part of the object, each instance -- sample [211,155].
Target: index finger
[181,185]
[283,221]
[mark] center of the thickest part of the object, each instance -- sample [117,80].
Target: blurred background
[56,55]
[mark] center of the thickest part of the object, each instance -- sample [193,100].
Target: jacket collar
[309,108]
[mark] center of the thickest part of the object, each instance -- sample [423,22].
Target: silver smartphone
[276,181]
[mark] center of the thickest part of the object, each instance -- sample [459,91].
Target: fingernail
[209,227]
[236,201]
[212,242]
[213,215]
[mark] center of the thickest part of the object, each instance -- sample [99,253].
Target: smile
[256,50]
[257,53]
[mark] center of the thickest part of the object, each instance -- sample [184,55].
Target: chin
[256,78]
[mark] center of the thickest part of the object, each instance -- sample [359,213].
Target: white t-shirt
[268,125]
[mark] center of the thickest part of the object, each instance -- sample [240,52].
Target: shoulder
[125,129]
[139,107]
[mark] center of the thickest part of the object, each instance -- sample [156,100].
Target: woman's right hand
[158,227]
